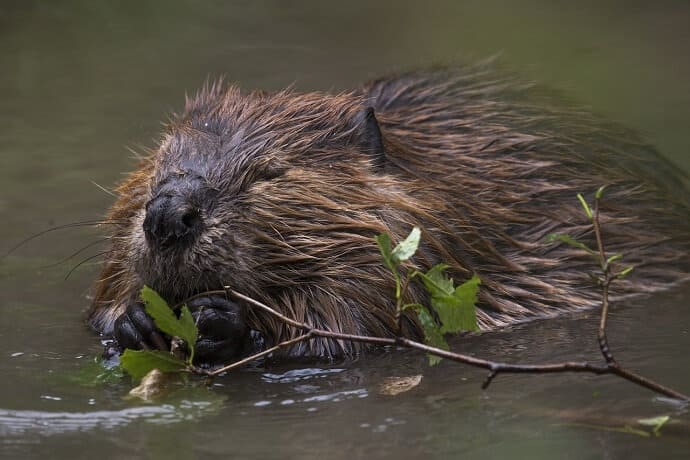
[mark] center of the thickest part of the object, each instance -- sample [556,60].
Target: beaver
[279,195]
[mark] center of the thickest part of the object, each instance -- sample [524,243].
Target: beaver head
[278,196]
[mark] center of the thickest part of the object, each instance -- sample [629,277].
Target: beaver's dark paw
[136,330]
[223,331]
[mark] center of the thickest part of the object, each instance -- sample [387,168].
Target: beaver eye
[267,174]
[263,174]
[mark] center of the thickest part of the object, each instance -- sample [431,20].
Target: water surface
[84,82]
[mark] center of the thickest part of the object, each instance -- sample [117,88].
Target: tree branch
[494,367]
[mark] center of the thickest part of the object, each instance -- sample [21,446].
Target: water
[83,81]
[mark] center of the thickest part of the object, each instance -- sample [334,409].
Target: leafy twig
[494,367]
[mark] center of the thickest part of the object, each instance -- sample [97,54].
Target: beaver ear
[367,136]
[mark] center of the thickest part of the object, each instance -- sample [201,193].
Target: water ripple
[17,422]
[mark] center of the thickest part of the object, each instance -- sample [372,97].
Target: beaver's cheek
[138,250]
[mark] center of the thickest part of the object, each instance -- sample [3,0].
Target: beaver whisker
[103,189]
[86,223]
[95,256]
[76,253]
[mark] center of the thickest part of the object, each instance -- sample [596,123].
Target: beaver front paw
[136,330]
[223,332]
[222,329]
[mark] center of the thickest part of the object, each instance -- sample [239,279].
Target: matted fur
[487,166]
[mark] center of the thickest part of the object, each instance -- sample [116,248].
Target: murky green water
[82,81]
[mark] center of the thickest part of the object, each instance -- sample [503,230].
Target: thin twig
[597,234]
[249,359]
[399,305]
[605,283]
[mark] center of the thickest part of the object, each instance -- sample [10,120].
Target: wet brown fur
[485,165]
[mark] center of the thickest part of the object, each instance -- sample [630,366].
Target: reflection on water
[84,80]
[296,375]
[51,423]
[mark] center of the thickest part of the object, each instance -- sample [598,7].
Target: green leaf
[434,359]
[436,282]
[455,306]
[457,311]
[384,242]
[138,363]
[95,372]
[614,258]
[600,192]
[165,318]
[162,314]
[188,330]
[406,248]
[432,334]
[551,237]
[585,206]
[655,422]
[624,273]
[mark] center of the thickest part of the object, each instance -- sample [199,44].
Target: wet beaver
[279,195]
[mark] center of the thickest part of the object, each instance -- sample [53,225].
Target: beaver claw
[135,329]
[223,332]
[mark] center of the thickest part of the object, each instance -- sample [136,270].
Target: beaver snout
[172,221]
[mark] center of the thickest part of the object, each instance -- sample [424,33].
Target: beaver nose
[171,221]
